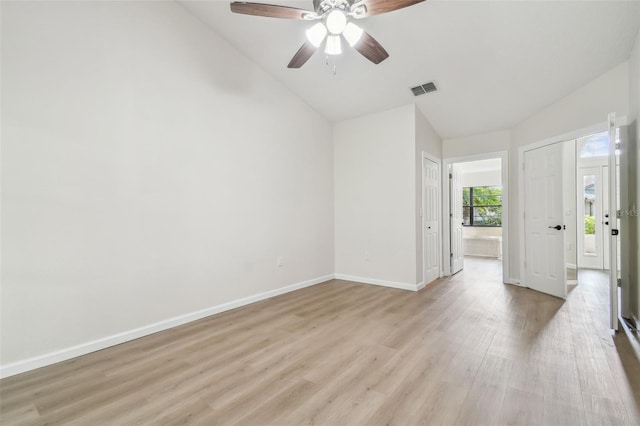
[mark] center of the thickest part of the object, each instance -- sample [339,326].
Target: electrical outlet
[280,261]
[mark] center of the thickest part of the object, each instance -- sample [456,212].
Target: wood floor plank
[465,350]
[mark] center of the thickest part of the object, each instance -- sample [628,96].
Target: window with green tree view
[482,205]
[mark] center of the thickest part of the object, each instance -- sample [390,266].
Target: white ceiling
[495,62]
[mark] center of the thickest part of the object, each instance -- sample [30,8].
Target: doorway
[592,160]
[476,206]
[587,165]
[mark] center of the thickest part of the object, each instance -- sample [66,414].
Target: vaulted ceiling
[494,62]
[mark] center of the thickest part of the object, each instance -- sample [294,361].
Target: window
[482,206]
[596,145]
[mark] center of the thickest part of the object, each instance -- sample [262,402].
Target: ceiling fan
[335,18]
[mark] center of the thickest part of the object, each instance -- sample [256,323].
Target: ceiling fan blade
[371,49]
[302,55]
[376,7]
[268,10]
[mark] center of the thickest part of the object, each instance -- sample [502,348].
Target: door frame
[602,126]
[446,246]
[428,157]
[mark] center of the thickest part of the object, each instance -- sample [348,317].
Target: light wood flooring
[465,350]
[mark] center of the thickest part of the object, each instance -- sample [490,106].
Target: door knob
[558,227]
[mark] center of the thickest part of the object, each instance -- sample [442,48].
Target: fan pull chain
[335,61]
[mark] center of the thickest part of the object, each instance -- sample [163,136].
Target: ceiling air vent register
[424,88]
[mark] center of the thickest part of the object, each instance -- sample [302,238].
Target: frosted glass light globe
[352,33]
[316,34]
[334,46]
[336,21]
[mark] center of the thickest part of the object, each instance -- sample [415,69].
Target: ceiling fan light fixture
[316,34]
[334,45]
[336,21]
[352,33]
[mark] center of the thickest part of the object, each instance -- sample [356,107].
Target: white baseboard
[383,283]
[105,342]
[571,266]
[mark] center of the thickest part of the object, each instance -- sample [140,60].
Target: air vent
[424,88]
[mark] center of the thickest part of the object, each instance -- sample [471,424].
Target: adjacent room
[482,207]
[329,212]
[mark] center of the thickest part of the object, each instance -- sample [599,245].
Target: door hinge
[450,175]
[619,282]
[451,255]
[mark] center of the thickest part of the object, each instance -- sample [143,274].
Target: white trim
[446,246]
[382,283]
[445,229]
[423,284]
[105,342]
[571,266]
[575,134]
[523,269]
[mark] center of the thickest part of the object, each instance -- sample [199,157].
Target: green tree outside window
[482,205]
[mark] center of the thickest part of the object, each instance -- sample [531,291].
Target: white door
[457,220]
[431,226]
[544,226]
[614,223]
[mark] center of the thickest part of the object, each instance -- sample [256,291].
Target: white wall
[374,186]
[584,108]
[426,140]
[481,177]
[477,144]
[150,171]
[634,119]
